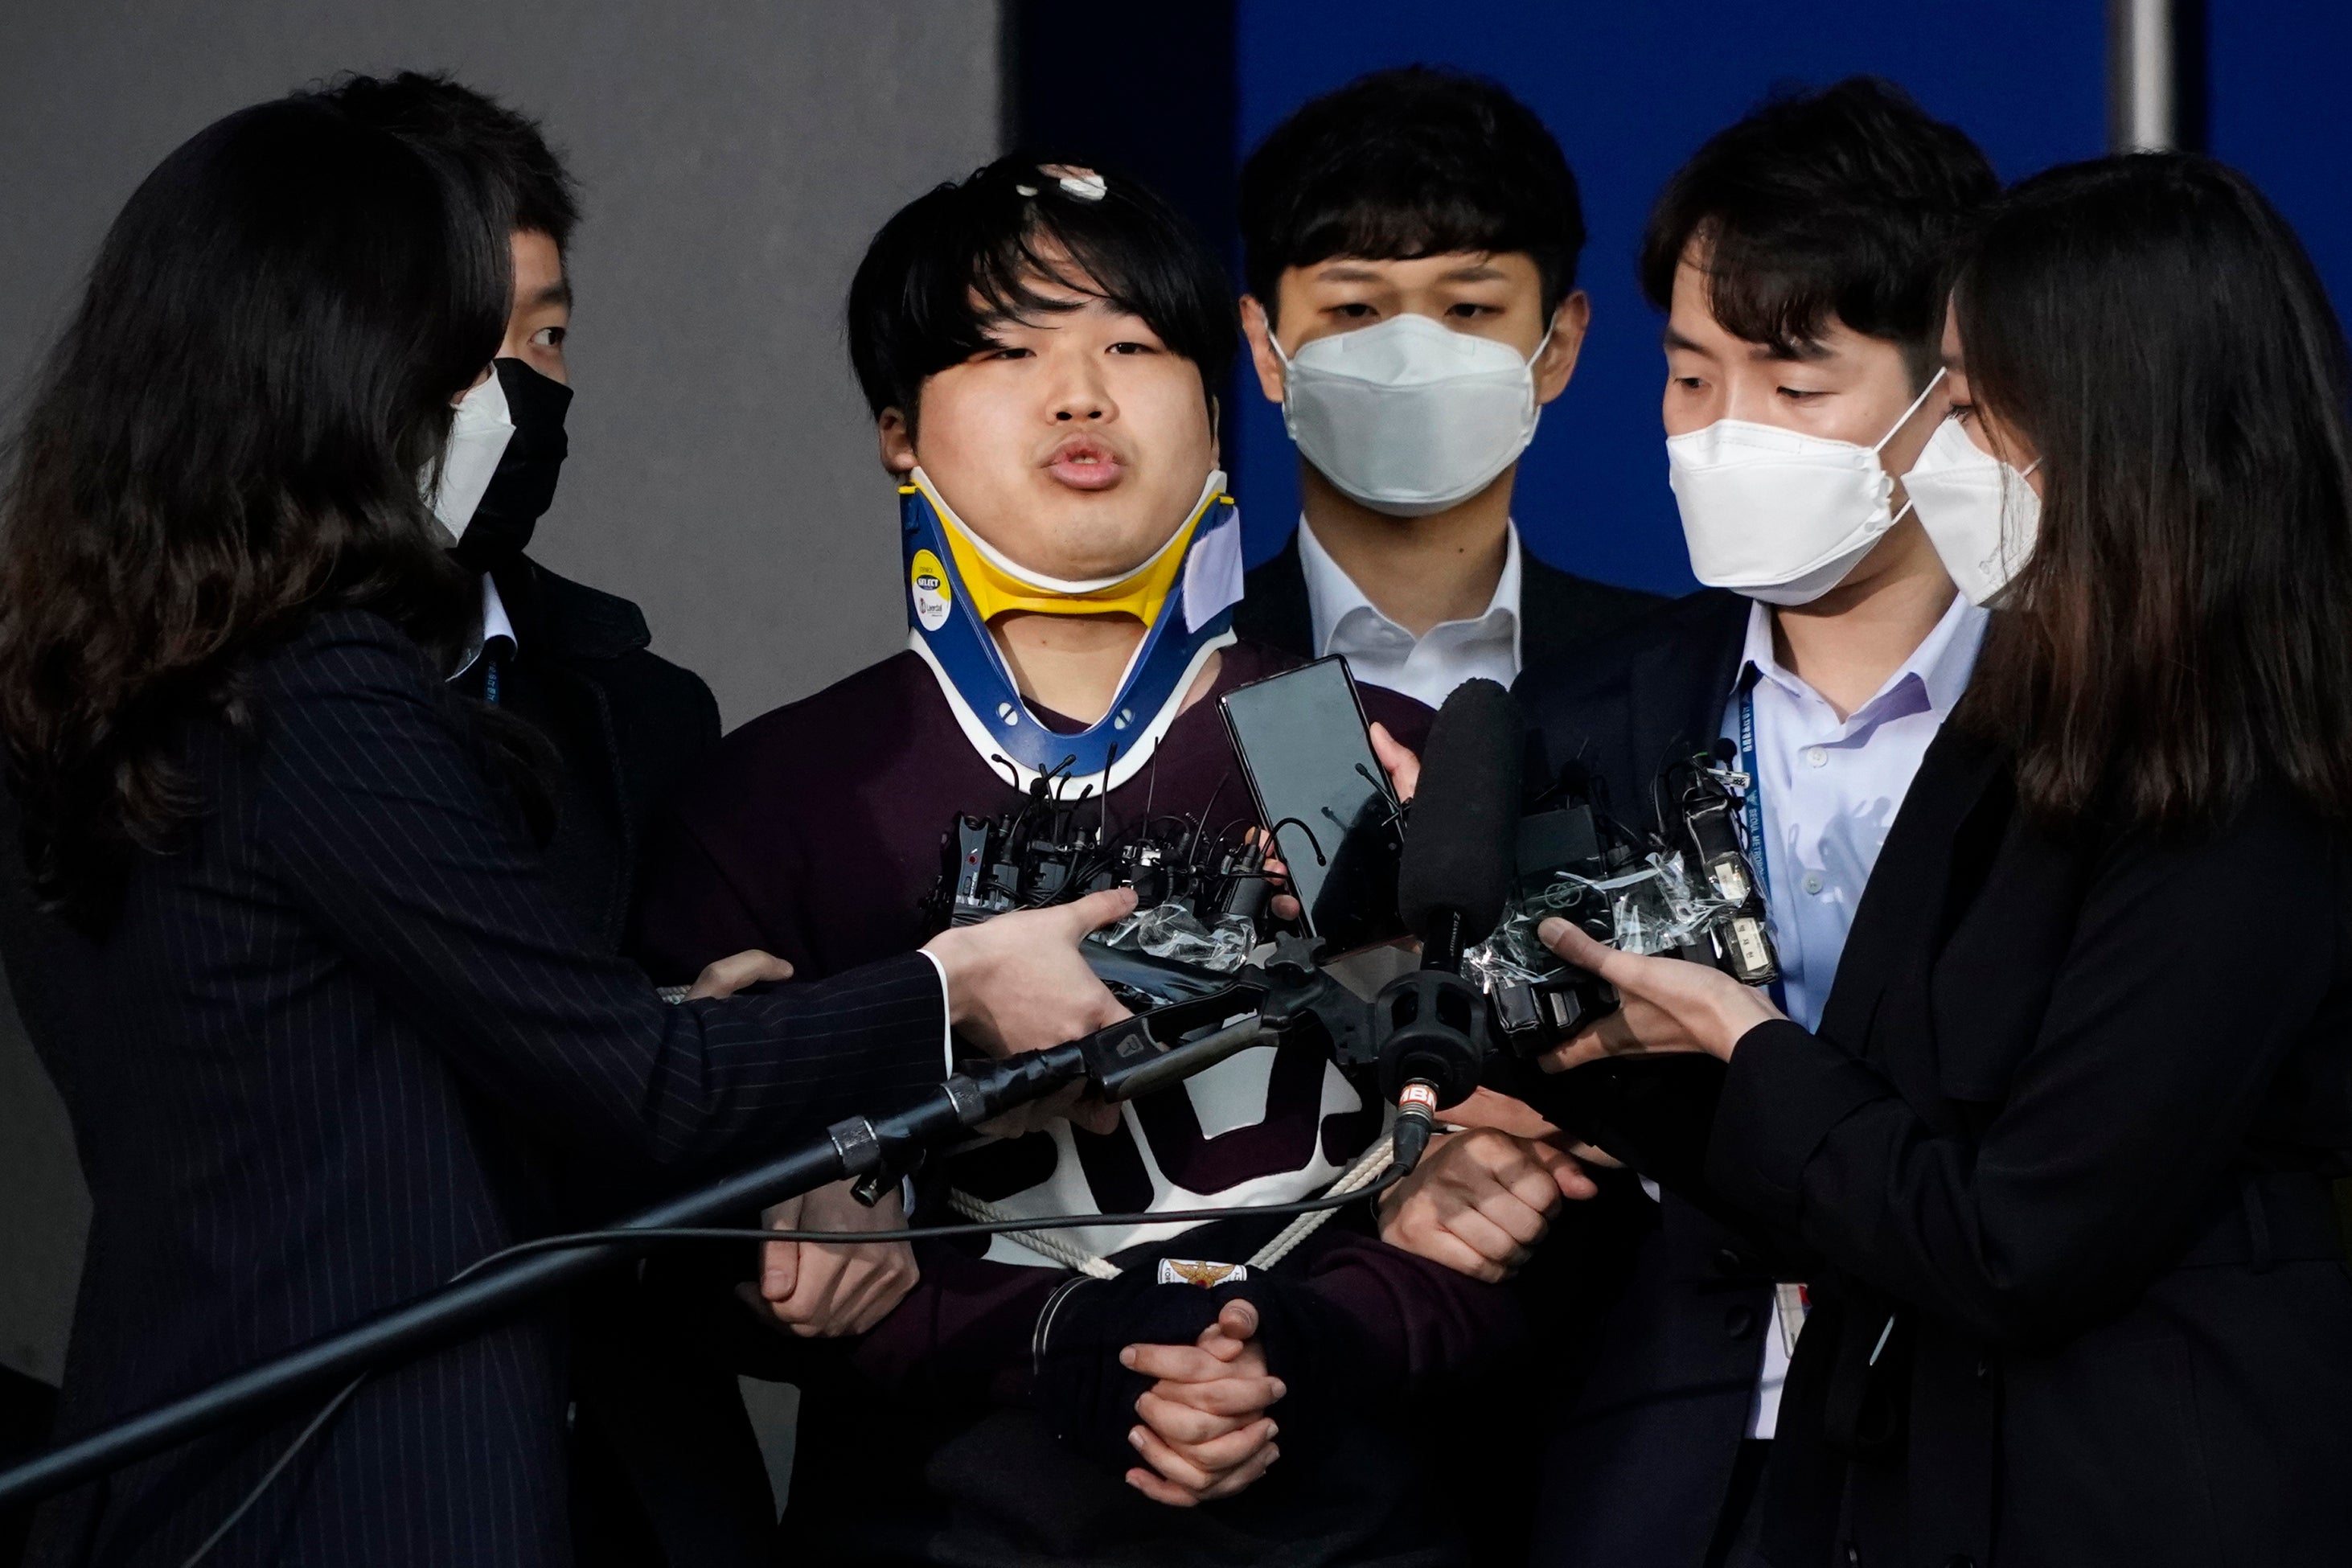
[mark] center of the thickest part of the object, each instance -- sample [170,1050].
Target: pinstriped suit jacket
[319,1065]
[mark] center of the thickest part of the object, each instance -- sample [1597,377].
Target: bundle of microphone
[1464,879]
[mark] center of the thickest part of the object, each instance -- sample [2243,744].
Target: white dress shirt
[1831,788]
[495,624]
[1381,653]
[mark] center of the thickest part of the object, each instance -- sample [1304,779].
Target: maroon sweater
[815,834]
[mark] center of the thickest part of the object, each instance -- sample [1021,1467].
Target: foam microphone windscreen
[1462,840]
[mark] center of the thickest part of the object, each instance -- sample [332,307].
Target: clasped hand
[1202,1428]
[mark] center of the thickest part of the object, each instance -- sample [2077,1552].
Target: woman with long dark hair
[2057,1162]
[319,1021]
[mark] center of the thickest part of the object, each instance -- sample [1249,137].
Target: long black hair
[2183,627]
[229,436]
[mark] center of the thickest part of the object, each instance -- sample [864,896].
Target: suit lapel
[1676,693]
[1549,623]
[1274,608]
[1900,924]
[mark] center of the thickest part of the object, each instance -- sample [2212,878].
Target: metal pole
[853,1148]
[2156,67]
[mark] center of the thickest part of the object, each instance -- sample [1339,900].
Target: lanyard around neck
[1752,798]
[1752,807]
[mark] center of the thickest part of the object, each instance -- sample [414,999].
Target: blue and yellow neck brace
[956,584]
[997,584]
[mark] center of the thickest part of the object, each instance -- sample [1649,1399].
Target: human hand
[1403,768]
[1017,982]
[821,1291]
[1400,762]
[1669,1003]
[726,977]
[1205,1432]
[1479,1200]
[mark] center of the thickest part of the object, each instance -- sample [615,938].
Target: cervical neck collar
[956,584]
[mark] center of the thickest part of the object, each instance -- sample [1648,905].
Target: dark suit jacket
[2079,1162]
[1558,610]
[323,1059]
[665,1469]
[629,725]
[1635,1471]
[2067,1127]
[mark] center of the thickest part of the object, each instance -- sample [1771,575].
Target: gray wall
[736,155]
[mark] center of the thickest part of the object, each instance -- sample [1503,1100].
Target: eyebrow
[1809,351]
[556,293]
[1358,272]
[1674,340]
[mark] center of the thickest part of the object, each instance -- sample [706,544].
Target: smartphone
[1308,754]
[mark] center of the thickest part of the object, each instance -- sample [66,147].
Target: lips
[1084,463]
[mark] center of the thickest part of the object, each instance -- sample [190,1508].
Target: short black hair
[1848,201]
[502,148]
[1404,163]
[969,254]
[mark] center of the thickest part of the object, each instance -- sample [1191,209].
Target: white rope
[1363,1173]
[1054,1243]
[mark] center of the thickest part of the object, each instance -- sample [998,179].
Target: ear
[898,444]
[1216,413]
[1260,333]
[1557,362]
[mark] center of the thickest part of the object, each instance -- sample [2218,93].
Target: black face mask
[523,487]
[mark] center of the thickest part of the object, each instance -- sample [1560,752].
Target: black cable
[320,1422]
[317,1423]
[1389,1178]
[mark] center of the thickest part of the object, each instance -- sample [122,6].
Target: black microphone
[1460,857]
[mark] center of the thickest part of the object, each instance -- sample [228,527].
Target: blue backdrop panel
[1630,91]
[2278,108]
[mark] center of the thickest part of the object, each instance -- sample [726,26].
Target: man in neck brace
[1040,345]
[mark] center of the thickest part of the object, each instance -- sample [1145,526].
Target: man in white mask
[1799,258]
[1411,242]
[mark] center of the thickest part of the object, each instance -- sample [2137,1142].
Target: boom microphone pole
[1126,1059]
[1427,1032]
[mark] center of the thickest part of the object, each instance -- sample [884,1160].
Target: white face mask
[1778,515]
[1410,418]
[477,437]
[1978,512]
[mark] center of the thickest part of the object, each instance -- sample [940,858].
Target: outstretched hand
[1205,1432]
[1018,982]
[724,976]
[1670,1004]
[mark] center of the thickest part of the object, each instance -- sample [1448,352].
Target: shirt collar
[495,625]
[1333,599]
[1940,666]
